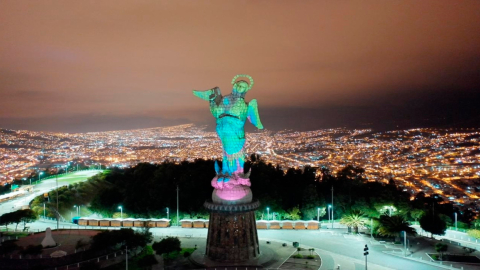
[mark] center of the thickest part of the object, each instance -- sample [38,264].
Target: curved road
[45,186]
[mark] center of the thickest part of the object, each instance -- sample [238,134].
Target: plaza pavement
[333,245]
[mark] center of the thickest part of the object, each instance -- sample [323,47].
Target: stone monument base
[200,259]
[232,233]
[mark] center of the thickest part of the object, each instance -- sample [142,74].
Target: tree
[441,248]
[294,213]
[417,213]
[311,203]
[128,237]
[167,245]
[393,226]
[474,233]
[354,219]
[433,224]
[27,216]
[17,217]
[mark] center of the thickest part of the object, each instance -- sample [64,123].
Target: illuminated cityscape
[441,161]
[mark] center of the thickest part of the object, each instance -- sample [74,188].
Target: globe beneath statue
[236,195]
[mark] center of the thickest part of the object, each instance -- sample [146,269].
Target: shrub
[298,256]
[8,246]
[186,254]
[147,260]
[32,250]
[167,245]
[310,257]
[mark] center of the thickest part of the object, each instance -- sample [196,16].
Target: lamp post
[178,215]
[168,213]
[268,212]
[40,173]
[126,257]
[405,242]
[43,210]
[58,213]
[329,206]
[365,253]
[318,214]
[332,207]
[456,228]
[121,211]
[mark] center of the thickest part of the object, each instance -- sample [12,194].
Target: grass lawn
[75,177]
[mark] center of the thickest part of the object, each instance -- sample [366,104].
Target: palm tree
[355,219]
[393,225]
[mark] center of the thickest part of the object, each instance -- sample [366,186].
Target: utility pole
[405,242]
[456,228]
[329,206]
[126,257]
[332,208]
[178,215]
[58,213]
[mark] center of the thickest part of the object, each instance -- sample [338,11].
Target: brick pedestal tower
[232,232]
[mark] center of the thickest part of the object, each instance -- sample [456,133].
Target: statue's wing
[252,114]
[210,94]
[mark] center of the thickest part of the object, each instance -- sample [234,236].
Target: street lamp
[43,210]
[456,228]
[168,213]
[405,242]
[318,214]
[268,212]
[332,207]
[329,206]
[121,212]
[365,253]
[58,213]
[40,173]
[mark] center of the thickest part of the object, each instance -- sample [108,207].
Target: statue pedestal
[232,232]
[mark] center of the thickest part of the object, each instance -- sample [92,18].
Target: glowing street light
[121,212]
[168,213]
[456,228]
[318,214]
[40,173]
[268,212]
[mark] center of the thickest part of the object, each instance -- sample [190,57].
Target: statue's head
[241,87]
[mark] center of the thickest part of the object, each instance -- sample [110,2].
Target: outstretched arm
[210,94]
[252,114]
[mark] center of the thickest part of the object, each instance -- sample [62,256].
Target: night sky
[80,66]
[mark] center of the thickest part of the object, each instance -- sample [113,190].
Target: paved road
[43,187]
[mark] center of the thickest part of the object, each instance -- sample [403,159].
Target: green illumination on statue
[231,112]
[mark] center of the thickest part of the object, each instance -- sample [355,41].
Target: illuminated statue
[231,112]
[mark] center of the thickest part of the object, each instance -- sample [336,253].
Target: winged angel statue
[231,112]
